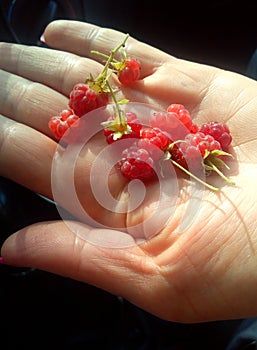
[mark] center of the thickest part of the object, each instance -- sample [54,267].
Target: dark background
[217,32]
[39,310]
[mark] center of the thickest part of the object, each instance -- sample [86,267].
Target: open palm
[205,271]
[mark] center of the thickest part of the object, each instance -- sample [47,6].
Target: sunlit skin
[207,272]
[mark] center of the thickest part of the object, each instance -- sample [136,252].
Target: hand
[206,273]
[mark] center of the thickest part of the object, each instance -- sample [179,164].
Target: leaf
[219,163]
[218,152]
[123,102]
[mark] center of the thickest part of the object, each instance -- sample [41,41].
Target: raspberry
[177,155]
[130,72]
[203,143]
[194,129]
[83,99]
[199,151]
[165,121]
[156,137]
[220,132]
[59,124]
[171,123]
[182,113]
[192,148]
[136,163]
[134,123]
[154,141]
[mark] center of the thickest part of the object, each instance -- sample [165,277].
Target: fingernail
[42,39]
[3,262]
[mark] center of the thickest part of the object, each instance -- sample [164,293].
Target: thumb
[66,248]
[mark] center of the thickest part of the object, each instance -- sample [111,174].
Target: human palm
[204,272]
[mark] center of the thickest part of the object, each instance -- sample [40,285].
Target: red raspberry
[59,124]
[156,137]
[183,114]
[136,163]
[177,155]
[165,121]
[132,121]
[176,125]
[83,99]
[201,142]
[130,73]
[193,147]
[194,129]
[219,132]
[154,141]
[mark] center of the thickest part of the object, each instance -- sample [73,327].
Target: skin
[208,271]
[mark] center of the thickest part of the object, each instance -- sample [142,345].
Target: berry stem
[214,168]
[103,75]
[213,188]
[117,106]
[171,145]
[103,55]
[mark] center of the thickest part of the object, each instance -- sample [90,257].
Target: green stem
[110,57]
[102,55]
[171,145]
[209,163]
[115,102]
[213,188]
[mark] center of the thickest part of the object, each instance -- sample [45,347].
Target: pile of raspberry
[83,99]
[95,92]
[171,135]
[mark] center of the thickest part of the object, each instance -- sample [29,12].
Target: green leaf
[206,154]
[218,152]
[219,163]
[123,102]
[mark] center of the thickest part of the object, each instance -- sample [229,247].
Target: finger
[54,247]
[26,156]
[28,102]
[81,38]
[55,69]
[165,78]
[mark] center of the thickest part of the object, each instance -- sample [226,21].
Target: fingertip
[6,256]
[59,28]
[51,29]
